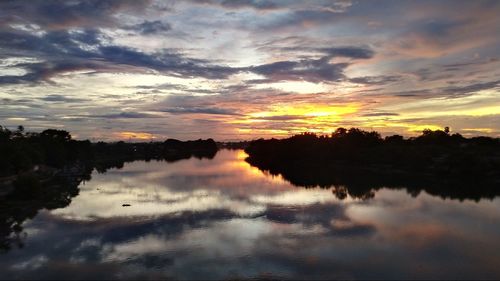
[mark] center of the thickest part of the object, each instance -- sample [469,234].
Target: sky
[245,69]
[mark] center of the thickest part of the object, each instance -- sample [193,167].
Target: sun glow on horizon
[134,135]
[287,119]
[242,71]
[302,112]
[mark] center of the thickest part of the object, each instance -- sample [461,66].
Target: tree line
[22,151]
[44,170]
[442,163]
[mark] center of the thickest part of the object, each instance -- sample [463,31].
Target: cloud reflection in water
[222,218]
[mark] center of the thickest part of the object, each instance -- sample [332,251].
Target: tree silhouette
[444,164]
[62,164]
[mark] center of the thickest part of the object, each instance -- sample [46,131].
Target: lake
[222,218]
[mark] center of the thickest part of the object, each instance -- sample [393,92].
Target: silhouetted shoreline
[53,153]
[357,162]
[44,170]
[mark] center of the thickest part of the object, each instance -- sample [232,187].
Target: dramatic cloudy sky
[117,69]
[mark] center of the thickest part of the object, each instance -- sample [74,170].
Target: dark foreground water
[224,219]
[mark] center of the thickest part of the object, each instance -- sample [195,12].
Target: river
[221,218]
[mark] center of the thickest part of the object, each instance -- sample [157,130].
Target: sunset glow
[135,135]
[142,70]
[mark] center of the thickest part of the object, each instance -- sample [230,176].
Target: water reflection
[362,182]
[222,218]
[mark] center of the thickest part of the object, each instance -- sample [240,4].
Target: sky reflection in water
[223,218]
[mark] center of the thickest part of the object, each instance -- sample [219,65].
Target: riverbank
[31,160]
[442,164]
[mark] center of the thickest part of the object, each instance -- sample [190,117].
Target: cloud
[151,27]
[448,91]
[255,4]
[258,5]
[231,59]
[8,101]
[64,51]
[295,44]
[192,104]
[471,88]
[123,115]
[301,18]
[281,117]
[447,32]
[61,98]
[348,52]
[380,114]
[375,80]
[312,70]
[333,6]
[198,110]
[305,70]
[56,14]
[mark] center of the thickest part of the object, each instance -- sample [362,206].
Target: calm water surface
[222,218]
